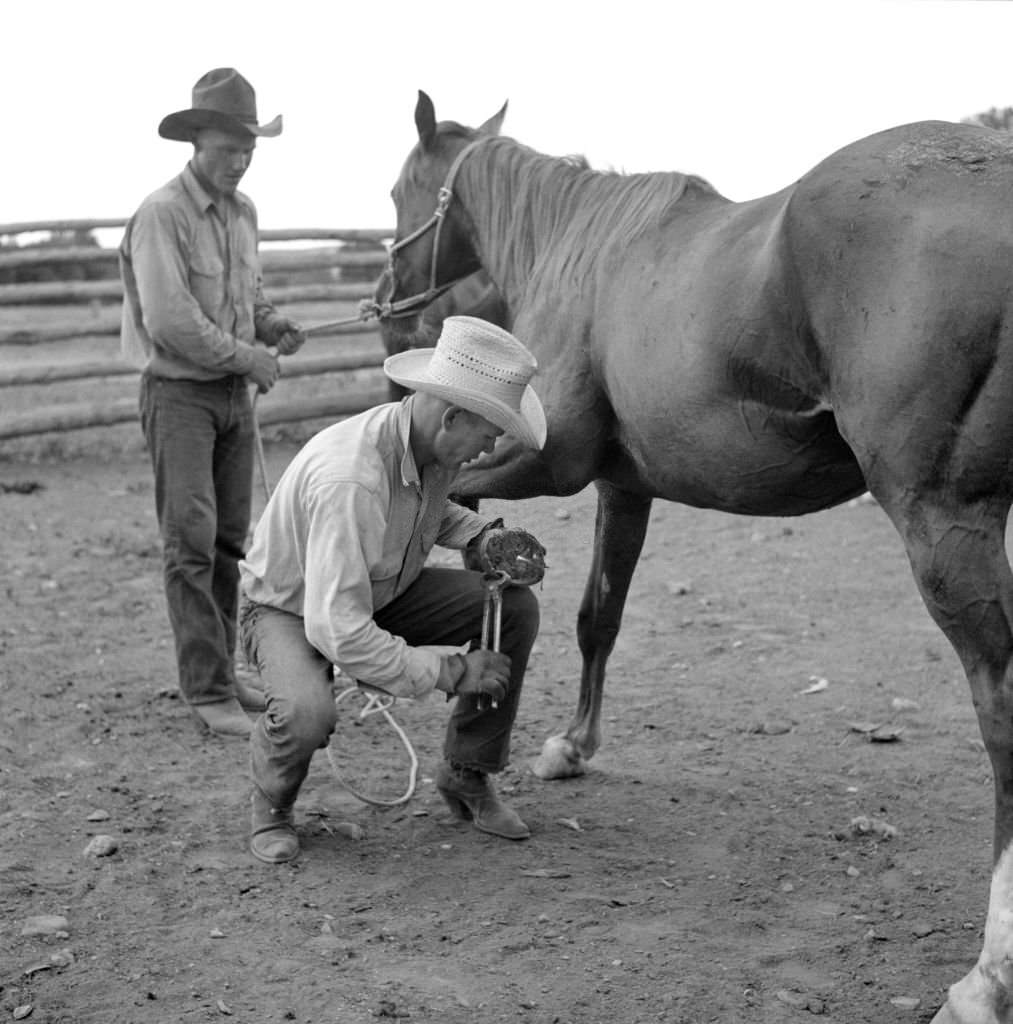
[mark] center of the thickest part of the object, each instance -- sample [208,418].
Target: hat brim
[181,126]
[528,425]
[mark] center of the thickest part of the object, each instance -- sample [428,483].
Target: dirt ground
[713,865]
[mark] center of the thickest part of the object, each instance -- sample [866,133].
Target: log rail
[63,330]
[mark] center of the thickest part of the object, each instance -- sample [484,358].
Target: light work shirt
[348,529]
[193,300]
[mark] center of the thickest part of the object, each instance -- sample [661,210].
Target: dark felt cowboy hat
[222,99]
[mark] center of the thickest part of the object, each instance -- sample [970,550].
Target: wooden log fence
[82,415]
[98,312]
[112,291]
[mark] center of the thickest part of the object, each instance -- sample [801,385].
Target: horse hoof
[559,759]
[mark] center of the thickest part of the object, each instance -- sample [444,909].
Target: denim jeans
[199,435]
[443,606]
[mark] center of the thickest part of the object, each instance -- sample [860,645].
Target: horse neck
[532,211]
[520,203]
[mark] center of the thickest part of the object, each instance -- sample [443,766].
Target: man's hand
[486,674]
[289,337]
[265,370]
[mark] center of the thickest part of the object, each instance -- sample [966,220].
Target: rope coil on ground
[378,704]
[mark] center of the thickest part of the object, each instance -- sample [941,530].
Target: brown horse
[771,357]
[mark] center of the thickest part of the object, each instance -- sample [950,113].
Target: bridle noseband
[415,303]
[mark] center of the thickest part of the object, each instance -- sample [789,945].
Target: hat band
[246,117]
[455,370]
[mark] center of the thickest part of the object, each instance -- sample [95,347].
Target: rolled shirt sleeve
[460,525]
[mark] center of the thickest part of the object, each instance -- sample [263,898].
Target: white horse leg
[983,996]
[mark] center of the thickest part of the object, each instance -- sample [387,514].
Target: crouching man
[336,576]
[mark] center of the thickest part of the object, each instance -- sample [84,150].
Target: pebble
[25,1010]
[791,998]
[904,704]
[562,513]
[45,924]
[101,846]
[350,830]
[770,728]
[865,825]
[98,815]
[905,1002]
[62,958]
[801,1002]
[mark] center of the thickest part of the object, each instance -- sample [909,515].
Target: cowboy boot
[223,718]
[471,797]
[272,831]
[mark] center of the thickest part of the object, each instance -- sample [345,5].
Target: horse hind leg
[957,552]
[620,527]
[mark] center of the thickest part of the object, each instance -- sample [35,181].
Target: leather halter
[419,301]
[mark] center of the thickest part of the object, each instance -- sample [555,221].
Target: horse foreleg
[959,560]
[983,995]
[620,528]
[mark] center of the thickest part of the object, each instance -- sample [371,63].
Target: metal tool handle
[492,615]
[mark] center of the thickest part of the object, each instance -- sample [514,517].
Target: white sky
[746,93]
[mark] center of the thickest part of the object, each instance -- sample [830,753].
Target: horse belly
[741,458]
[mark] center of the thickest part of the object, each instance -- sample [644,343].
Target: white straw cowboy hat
[222,99]
[481,368]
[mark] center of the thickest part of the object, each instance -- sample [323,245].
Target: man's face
[463,437]
[222,158]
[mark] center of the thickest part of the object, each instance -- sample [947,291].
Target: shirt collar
[197,192]
[409,471]
[201,198]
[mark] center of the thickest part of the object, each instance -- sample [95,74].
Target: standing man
[193,313]
[336,576]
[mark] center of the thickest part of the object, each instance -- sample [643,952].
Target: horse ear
[495,123]
[425,120]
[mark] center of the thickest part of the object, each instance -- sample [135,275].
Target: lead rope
[376,703]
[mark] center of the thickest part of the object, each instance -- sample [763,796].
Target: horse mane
[535,200]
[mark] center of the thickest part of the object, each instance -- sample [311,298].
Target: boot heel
[457,806]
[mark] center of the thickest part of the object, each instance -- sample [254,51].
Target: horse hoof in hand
[559,759]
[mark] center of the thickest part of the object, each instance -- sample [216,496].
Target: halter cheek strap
[414,303]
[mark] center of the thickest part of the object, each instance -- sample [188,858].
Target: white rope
[258,448]
[378,704]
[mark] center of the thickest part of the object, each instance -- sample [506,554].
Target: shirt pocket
[207,283]
[388,568]
[249,273]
